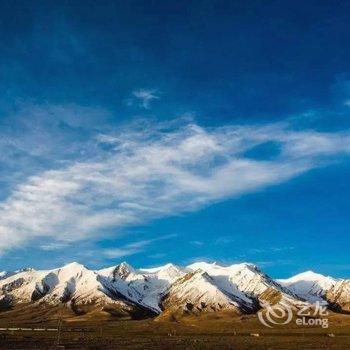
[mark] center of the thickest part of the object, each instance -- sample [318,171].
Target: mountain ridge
[169,290]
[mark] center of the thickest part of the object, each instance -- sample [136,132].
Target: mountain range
[167,291]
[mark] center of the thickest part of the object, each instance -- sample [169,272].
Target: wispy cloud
[269,250]
[142,173]
[223,240]
[143,97]
[53,246]
[157,256]
[275,262]
[38,137]
[197,243]
[133,248]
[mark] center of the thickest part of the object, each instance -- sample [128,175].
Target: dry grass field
[210,332]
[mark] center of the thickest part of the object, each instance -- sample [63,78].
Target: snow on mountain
[339,296]
[4,274]
[144,286]
[201,287]
[247,283]
[20,286]
[309,285]
[81,289]
[72,281]
[315,287]
[168,272]
[197,292]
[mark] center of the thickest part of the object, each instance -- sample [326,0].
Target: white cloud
[132,248]
[150,172]
[53,246]
[127,250]
[157,256]
[38,137]
[145,97]
[197,243]
[224,240]
[269,250]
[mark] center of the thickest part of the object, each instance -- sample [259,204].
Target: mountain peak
[126,265]
[168,266]
[309,285]
[307,276]
[202,265]
[73,265]
[123,270]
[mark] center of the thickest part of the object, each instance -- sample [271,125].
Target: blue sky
[175,131]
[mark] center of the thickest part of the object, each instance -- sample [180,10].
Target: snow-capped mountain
[4,274]
[339,296]
[167,290]
[196,292]
[79,288]
[144,286]
[314,287]
[247,284]
[309,285]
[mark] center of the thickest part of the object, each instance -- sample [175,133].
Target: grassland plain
[205,332]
